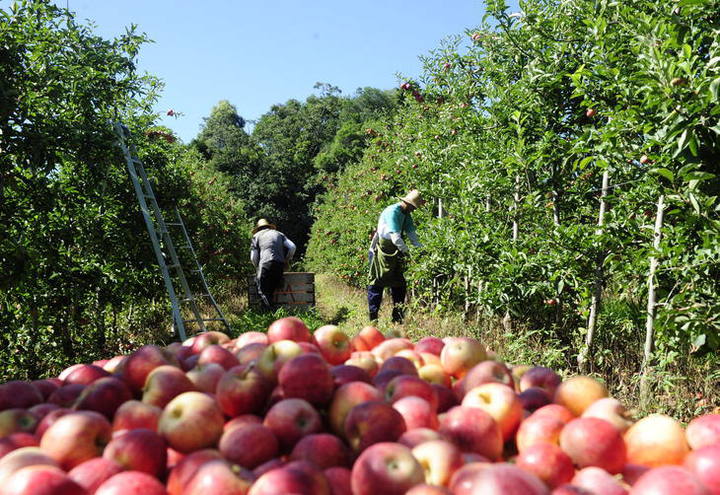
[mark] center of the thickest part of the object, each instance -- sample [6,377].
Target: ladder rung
[176,265]
[175,224]
[186,299]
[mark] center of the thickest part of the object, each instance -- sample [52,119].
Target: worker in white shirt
[387,252]
[270,253]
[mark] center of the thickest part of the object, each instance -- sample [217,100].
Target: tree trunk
[651,306]
[598,285]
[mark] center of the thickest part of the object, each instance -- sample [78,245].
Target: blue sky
[262,52]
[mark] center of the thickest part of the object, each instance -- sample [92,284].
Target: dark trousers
[375,294]
[268,281]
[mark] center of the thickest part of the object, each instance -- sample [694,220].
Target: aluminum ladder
[168,259]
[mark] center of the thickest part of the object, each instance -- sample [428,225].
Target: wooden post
[466,286]
[441,210]
[597,290]
[477,307]
[651,306]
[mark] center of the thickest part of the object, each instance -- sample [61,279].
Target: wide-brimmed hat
[263,224]
[414,198]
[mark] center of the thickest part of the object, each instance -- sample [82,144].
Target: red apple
[243,390]
[292,419]
[205,377]
[703,430]
[42,410]
[432,345]
[191,421]
[434,374]
[139,450]
[364,360]
[297,477]
[247,338]
[704,463]
[339,480]
[347,397]
[85,374]
[416,436]
[668,480]
[93,472]
[505,479]
[548,462]
[488,371]
[104,395]
[460,354]
[612,411]
[371,336]
[163,384]
[221,477]
[17,394]
[41,480]
[288,328]
[17,421]
[49,419]
[594,442]
[541,377]
[67,395]
[275,356]
[22,457]
[387,468]
[135,414]
[425,489]
[539,430]
[16,441]
[217,354]
[556,411]
[321,449]
[598,481]
[656,440]
[250,353]
[407,386]
[388,348]
[345,373]
[184,470]
[439,460]
[249,445]
[333,343]
[76,437]
[46,386]
[578,392]
[372,422]
[131,483]
[242,420]
[417,412]
[135,368]
[307,377]
[500,402]
[206,339]
[472,430]
[533,399]
[446,398]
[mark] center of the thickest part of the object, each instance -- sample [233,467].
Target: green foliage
[499,132]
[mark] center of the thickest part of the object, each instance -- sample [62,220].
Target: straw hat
[262,224]
[414,198]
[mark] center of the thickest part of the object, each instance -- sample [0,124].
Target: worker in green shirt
[387,253]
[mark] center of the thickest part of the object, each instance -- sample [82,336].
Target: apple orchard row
[290,411]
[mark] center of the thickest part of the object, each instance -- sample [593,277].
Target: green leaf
[715,88]
[663,172]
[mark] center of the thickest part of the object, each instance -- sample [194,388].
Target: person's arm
[398,241]
[290,246]
[411,233]
[254,252]
[373,246]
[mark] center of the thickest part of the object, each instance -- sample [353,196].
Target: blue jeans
[375,294]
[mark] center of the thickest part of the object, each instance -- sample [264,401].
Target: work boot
[373,316]
[398,314]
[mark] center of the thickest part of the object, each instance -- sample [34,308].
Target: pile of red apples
[295,412]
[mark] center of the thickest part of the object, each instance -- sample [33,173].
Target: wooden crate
[297,290]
